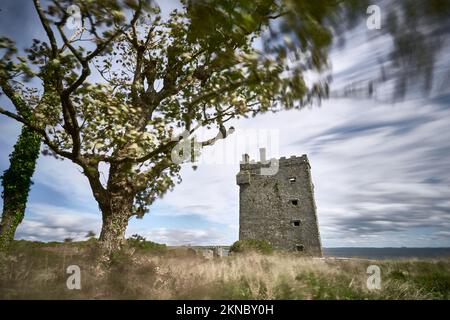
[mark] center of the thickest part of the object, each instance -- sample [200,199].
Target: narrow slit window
[294,202]
[292,179]
[296,223]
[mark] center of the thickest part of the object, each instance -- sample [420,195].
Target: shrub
[140,243]
[250,245]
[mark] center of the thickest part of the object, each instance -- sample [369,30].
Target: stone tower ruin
[276,203]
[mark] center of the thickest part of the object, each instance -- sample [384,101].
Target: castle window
[294,202]
[296,223]
[299,247]
[292,179]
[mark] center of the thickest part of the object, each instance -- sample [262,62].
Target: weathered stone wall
[278,209]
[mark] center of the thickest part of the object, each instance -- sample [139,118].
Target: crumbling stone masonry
[279,208]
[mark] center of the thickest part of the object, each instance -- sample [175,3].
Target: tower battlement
[248,164]
[280,207]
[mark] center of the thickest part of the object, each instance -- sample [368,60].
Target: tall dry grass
[40,272]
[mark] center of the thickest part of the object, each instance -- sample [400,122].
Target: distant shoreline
[387,253]
[382,253]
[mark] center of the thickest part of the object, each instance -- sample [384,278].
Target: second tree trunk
[16,182]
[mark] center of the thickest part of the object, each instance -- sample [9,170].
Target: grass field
[38,271]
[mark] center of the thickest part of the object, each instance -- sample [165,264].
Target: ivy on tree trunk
[16,182]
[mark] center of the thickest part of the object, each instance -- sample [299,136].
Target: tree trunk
[115,222]
[11,218]
[117,209]
[16,182]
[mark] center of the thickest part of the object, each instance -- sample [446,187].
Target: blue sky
[381,169]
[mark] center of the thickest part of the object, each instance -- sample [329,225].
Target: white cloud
[51,223]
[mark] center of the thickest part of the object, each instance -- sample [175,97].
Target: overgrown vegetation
[37,270]
[251,245]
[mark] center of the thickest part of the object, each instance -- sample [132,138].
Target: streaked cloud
[185,236]
[52,223]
